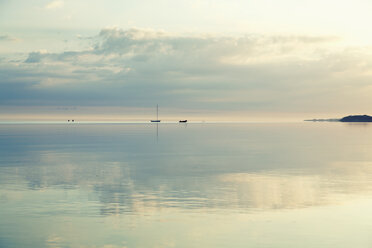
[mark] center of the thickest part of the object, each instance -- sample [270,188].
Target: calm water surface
[194,185]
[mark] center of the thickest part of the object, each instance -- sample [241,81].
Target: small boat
[157,115]
[182,121]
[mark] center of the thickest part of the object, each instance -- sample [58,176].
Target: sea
[159,185]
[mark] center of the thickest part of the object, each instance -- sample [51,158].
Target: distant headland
[350,118]
[357,118]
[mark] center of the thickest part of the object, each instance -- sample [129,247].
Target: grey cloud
[7,38]
[138,67]
[34,57]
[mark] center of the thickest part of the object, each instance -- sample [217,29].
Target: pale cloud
[55,4]
[137,67]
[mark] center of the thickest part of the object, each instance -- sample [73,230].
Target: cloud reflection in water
[119,178]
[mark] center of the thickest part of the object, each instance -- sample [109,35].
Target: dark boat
[182,121]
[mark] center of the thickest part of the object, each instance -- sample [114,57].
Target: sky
[198,59]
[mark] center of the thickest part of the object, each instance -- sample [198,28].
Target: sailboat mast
[157,114]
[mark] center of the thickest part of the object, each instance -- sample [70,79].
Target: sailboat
[157,114]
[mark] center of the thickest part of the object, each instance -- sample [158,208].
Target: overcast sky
[202,59]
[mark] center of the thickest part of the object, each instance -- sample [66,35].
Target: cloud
[55,4]
[34,57]
[140,67]
[7,38]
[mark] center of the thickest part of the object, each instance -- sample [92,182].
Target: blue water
[185,185]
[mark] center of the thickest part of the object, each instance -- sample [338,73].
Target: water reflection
[119,189]
[116,171]
[190,179]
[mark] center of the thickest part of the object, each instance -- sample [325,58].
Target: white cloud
[55,4]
